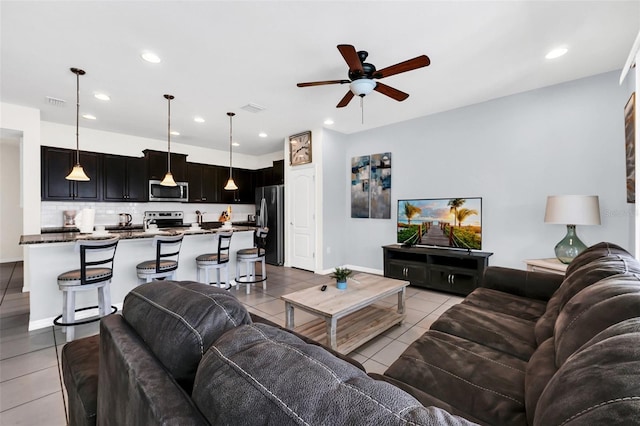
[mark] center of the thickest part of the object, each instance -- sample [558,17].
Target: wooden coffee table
[348,318]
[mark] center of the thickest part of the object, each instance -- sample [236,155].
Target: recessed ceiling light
[556,53]
[101,96]
[89,116]
[235,144]
[150,57]
[198,119]
[174,133]
[262,134]
[328,122]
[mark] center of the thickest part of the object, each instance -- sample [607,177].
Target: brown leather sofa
[526,348]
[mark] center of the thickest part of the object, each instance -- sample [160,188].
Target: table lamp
[571,210]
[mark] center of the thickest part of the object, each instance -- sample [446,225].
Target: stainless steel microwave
[178,193]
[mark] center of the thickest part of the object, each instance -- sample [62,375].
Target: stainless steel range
[171,219]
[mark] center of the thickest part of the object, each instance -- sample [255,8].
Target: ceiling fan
[362,75]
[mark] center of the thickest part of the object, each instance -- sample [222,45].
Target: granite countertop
[129,234]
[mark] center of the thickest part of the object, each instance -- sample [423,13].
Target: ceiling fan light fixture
[362,86]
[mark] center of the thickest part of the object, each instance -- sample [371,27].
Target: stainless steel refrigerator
[270,213]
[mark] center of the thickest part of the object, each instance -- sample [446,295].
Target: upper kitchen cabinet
[204,183]
[124,178]
[56,163]
[277,175]
[157,165]
[244,179]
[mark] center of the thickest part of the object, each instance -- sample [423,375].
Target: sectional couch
[525,348]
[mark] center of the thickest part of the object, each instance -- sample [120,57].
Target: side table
[550,266]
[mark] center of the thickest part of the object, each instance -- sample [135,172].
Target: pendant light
[168,178]
[231,185]
[77,173]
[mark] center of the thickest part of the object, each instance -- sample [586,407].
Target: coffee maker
[69,218]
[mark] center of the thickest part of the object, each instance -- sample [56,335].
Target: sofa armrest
[535,285]
[133,386]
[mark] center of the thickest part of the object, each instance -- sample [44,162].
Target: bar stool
[166,262]
[250,257]
[93,274]
[217,261]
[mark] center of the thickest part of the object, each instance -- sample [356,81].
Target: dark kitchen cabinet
[124,178]
[56,163]
[244,179]
[277,174]
[157,165]
[204,183]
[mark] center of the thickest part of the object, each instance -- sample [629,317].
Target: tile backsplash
[107,213]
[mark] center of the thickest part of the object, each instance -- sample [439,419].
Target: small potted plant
[341,275]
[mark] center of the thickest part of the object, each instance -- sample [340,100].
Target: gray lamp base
[570,246]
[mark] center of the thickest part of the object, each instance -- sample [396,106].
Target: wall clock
[300,148]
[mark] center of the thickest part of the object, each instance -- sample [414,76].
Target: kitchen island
[48,255]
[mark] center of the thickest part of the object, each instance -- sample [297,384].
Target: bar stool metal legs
[94,274]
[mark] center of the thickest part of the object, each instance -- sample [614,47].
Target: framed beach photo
[630,147]
[300,148]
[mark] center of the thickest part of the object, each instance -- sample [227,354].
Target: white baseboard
[355,268]
[11,259]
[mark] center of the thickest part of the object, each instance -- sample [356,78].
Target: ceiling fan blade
[411,64]
[320,83]
[351,57]
[345,101]
[391,92]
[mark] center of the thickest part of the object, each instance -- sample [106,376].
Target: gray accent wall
[512,151]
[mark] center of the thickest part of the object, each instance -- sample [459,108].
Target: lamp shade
[573,210]
[362,86]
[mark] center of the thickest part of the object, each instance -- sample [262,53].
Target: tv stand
[451,270]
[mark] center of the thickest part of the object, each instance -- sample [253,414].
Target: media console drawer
[450,270]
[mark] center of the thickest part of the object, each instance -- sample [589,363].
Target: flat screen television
[441,222]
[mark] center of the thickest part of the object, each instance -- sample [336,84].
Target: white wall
[513,152]
[10,208]
[27,121]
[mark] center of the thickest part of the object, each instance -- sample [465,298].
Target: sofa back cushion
[599,384]
[592,253]
[609,301]
[540,369]
[180,320]
[257,374]
[602,263]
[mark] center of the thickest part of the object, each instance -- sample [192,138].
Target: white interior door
[302,219]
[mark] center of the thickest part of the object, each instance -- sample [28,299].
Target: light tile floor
[31,390]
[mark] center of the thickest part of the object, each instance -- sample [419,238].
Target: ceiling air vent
[254,108]
[55,101]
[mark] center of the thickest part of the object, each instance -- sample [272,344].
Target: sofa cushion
[540,369]
[611,300]
[501,332]
[506,303]
[475,379]
[609,263]
[592,253]
[599,384]
[257,374]
[180,320]
[80,360]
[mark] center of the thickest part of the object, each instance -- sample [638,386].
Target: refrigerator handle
[264,214]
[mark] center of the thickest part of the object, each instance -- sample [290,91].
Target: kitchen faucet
[146,222]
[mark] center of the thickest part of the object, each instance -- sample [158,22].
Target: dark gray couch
[526,348]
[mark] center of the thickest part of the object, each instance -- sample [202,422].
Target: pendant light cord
[230,114]
[168,132]
[77,73]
